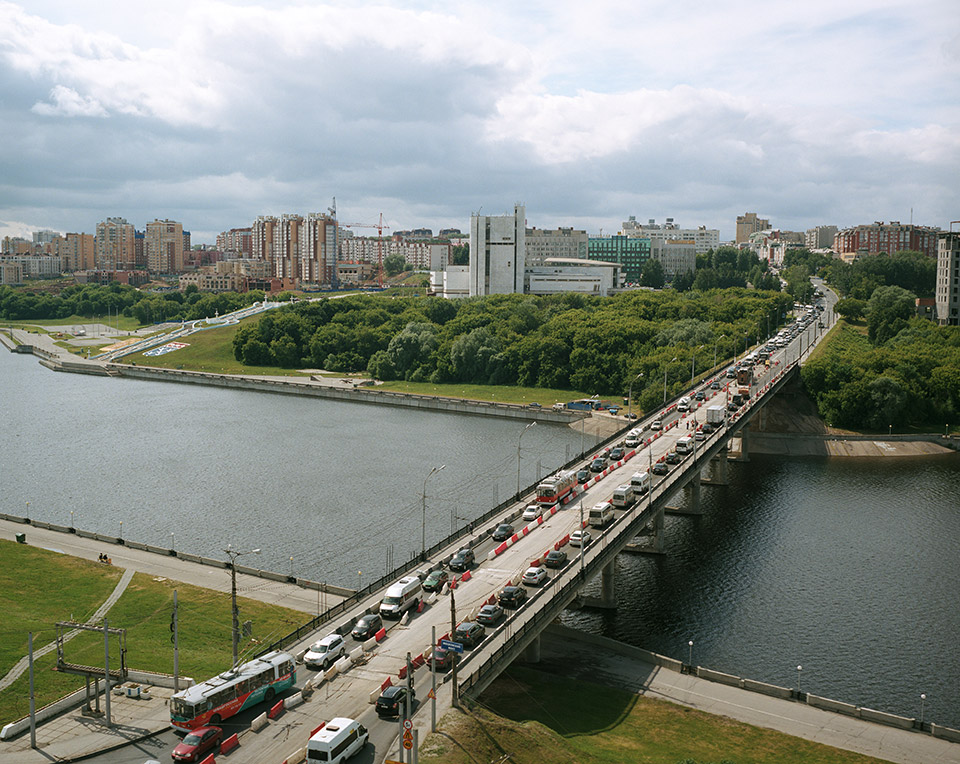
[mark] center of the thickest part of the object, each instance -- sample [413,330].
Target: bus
[554,488]
[233,691]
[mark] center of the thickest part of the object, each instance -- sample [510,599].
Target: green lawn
[533,717]
[127,323]
[43,587]
[501,394]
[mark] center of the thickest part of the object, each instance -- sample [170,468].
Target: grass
[127,323]
[532,717]
[500,394]
[42,587]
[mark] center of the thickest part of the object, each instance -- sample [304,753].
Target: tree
[393,264]
[850,308]
[683,281]
[652,274]
[888,310]
[460,255]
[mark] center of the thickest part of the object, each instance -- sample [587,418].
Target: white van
[633,439]
[400,597]
[683,404]
[685,445]
[339,739]
[623,496]
[640,482]
[601,514]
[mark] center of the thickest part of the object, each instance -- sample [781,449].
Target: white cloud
[67,102]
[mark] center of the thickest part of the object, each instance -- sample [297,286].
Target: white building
[820,237]
[569,274]
[562,242]
[677,256]
[948,279]
[497,252]
[703,238]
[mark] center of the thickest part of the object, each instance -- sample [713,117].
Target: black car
[469,634]
[673,457]
[512,596]
[556,558]
[661,468]
[598,465]
[707,427]
[462,559]
[367,626]
[490,615]
[715,385]
[699,395]
[391,700]
[616,454]
[583,476]
[503,532]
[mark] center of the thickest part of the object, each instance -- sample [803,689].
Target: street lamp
[172,544]
[71,519]
[630,395]
[690,654]
[518,455]
[923,699]
[121,529]
[423,523]
[233,554]
[665,380]
[799,669]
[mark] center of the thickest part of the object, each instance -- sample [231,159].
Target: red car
[198,743]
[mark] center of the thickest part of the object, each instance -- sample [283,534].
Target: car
[463,559]
[367,626]
[715,385]
[580,538]
[660,468]
[198,743]
[657,425]
[443,658]
[512,596]
[532,512]
[534,576]
[707,427]
[469,634]
[502,532]
[699,395]
[733,406]
[673,457]
[435,581]
[556,558]
[534,405]
[699,435]
[631,415]
[324,652]
[616,454]
[393,699]
[598,465]
[490,615]
[583,476]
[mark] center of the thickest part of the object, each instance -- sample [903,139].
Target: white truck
[715,415]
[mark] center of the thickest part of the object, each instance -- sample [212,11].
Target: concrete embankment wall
[186,556]
[296,386]
[785,693]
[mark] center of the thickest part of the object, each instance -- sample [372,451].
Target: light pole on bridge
[233,554]
[520,438]
[423,521]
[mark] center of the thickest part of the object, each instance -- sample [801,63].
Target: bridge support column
[744,445]
[658,542]
[607,585]
[694,504]
[720,467]
[531,653]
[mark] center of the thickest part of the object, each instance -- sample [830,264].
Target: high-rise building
[115,245]
[497,252]
[261,237]
[629,252]
[948,278]
[317,253]
[163,246]
[236,241]
[703,238]
[76,251]
[886,237]
[749,223]
[820,237]
[42,238]
[562,242]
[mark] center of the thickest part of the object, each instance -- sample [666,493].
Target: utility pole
[453,627]
[233,554]
[174,626]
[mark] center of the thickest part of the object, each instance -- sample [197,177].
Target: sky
[212,112]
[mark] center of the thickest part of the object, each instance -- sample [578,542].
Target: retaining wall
[832,705]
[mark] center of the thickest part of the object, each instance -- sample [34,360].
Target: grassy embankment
[529,717]
[39,587]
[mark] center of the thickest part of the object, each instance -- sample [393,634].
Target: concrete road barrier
[882,717]
[293,701]
[718,676]
[767,689]
[831,705]
[259,722]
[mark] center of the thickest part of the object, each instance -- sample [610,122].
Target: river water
[848,567]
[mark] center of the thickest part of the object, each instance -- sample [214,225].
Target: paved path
[98,616]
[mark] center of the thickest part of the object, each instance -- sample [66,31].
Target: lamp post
[630,395]
[121,530]
[690,653]
[715,350]
[71,519]
[291,567]
[693,364]
[889,429]
[172,540]
[582,543]
[233,554]
[423,522]
[799,669]
[665,380]
[518,456]
[923,699]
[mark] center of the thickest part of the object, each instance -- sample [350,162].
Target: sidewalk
[596,659]
[73,736]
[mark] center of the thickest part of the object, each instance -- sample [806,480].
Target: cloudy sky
[211,113]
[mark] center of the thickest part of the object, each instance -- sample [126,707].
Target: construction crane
[379,226]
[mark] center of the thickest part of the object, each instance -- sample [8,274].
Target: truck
[715,415]
[744,382]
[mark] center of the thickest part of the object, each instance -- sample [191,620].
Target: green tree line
[566,341]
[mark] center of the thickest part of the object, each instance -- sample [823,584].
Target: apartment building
[749,223]
[163,246]
[948,278]
[115,245]
[561,242]
[820,237]
[703,238]
[236,241]
[886,237]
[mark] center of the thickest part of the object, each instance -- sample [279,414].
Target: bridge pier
[744,445]
[607,585]
[531,653]
[720,468]
[694,503]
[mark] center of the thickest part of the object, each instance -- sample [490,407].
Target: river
[848,567]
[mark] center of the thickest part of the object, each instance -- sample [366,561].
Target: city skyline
[214,113]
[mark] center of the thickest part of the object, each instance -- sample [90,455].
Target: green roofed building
[631,253]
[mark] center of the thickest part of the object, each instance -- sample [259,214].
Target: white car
[532,512]
[657,424]
[580,538]
[323,653]
[534,576]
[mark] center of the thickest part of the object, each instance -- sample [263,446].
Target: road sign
[407,735]
[455,647]
[408,724]
[408,744]
[431,694]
